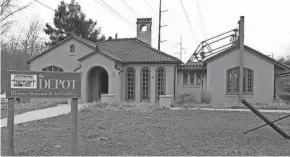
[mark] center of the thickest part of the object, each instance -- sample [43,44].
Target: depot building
[130,69]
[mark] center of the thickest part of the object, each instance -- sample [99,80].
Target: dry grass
[140,130]
[26,107]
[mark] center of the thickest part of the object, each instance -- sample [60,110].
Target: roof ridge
[281,64]
[81,38]
[118,39]
[147,45]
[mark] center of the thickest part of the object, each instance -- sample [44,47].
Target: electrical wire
[113,11]
[200,18]
[188,21]
[132,10]
[44,5]
[151,7]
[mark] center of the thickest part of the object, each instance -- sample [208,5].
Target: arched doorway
[98,83]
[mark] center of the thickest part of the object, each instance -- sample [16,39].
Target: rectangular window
[191,78]
[198,78]
[185,78]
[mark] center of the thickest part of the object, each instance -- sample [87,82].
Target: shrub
[205,97]
[184,100]
[285,97]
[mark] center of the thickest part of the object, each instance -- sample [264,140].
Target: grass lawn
[26,107]
[133,132]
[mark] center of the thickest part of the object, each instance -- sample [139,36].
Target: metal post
[74,112]
[10,126]
[181,48]
[266,124]
[241,77]
[265,119]
[159,33]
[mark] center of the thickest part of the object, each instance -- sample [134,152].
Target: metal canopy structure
[214,45]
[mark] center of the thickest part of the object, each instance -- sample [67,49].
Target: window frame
[185,76]
[246,72]
[163,83]
[192,77]
[134,84]
[72,50]
[141,84]
[52,67]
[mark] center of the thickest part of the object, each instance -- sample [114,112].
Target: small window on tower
[143,28]
[72,50]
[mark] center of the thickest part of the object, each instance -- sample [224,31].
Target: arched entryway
[98,83]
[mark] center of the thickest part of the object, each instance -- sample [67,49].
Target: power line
[200,18]
[151,7]
[188,21]
[153,10]
[44,5]
[115,12]
[130,8]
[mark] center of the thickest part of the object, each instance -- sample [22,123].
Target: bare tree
[32,43]
[8,9]
[20,48]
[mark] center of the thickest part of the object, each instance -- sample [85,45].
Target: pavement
[41,114]
[234,110]
[65,109]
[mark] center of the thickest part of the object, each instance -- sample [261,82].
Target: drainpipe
[274,96]
[241,57]
[175,80]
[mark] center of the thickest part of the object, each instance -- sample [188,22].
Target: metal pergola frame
[205,49]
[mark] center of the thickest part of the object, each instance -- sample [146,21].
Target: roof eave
[58,44]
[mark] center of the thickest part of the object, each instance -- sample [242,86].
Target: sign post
[74,118]
[10,126]
[32,84]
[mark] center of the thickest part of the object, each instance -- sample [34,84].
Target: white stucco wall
[60,57]
[108,64]
[263,78]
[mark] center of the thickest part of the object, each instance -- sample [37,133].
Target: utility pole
[241,40]
[160,26]
[181,48]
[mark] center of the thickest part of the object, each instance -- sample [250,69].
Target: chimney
[144,29]
[116,35]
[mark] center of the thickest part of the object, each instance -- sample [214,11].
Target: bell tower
[144,29]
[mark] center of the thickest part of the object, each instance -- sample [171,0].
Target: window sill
[191,86]
[244,95]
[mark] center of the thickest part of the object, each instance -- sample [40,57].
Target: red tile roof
[132,50]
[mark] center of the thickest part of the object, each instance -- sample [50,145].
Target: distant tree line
[17,49]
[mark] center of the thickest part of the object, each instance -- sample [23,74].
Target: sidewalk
[65,109]
[234,110]
[41,114]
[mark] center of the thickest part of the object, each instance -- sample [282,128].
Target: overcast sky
[267,22]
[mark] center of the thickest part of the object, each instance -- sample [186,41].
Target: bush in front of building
[186,100]
[205,97]
[145,107]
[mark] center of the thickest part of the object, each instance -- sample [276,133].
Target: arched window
[130,84]
[145,84]
[143,28]
[53,69]
[233,81]
[160,82]
[72,50]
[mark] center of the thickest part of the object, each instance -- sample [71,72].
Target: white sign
[23,81]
